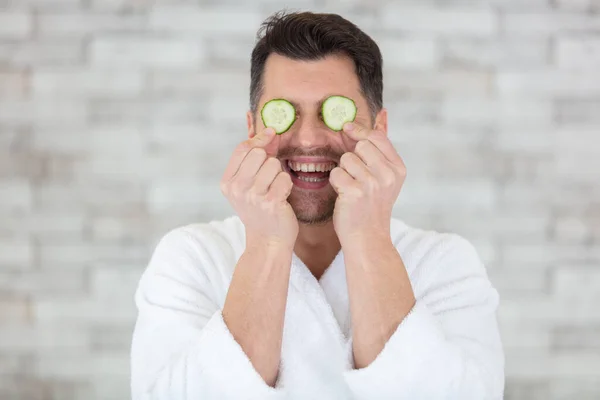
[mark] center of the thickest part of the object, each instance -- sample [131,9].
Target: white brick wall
[118,116]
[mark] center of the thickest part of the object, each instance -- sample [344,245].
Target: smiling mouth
[309,173]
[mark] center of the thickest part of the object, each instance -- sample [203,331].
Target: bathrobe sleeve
[448,346]
[181,347]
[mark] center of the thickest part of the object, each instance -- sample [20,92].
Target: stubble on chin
[313,210]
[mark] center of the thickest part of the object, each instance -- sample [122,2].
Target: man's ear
[381,121]
[250,123]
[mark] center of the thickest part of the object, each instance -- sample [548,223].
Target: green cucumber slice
[278,114]
[337,110]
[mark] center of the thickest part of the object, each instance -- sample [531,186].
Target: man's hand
[258,188]
[368,182]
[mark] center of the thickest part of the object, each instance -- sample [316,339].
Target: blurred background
[117,118]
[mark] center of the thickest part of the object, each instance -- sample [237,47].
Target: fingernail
[349,127]
[269,131]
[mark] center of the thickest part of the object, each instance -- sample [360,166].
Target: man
[315,291]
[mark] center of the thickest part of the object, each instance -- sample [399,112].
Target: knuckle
[273,163]
[259,152]
[361,145]
[345,159]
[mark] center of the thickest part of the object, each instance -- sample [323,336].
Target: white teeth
[308,179]
[311,167]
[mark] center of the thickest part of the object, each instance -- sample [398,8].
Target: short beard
[316,219]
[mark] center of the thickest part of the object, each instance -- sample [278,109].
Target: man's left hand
[368,182]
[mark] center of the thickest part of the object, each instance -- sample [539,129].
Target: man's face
[306,84]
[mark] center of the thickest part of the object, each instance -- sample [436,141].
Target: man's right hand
[258,188]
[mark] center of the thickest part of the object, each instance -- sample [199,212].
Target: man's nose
[309,133]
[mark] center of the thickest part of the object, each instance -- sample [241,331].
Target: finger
[369,154]
[281,188]
[266,175]
[355,167]
[356,131]
[341,181]
[250,166]
[383,143]
[262,139]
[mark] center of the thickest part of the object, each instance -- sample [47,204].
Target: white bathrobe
[448,347]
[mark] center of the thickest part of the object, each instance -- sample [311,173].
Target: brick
[509,226]
[570,229]
[577,5]
[43,339]
[547,23]
[14,312]
[82,312]
[111,387]
[113,139]
[111,284]
[226,107]
[24,165]
[164,195]
[185,140]
[15,195]
[524,335]
[230,51]
[578,112]
[120,51]
[79,256]
[424,83]
[122,5]
[536,140]
[577,168]
[412,111]
[37,52]
[13,85]
[93,195]
[12,363]
[531,389]
[578,53]
[23,387]
[576,387]
[443,21]
[110,339]
[547,84]
[36,284]
[164,83]
[481,111]
[43,113]
[576,338]
[455,195]
[180,110]
[43,5]
[516,281]
[16,253]
[73,24]
[409,53]
[576,285]
[122,229]
[205,20]
[15,25]
[537,255]
[533,364]
[83,84]
[503,53]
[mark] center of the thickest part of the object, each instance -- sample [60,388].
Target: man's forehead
[309,81]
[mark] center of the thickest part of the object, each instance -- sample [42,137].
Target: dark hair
[313,36]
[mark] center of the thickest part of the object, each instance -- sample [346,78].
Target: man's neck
[317,246]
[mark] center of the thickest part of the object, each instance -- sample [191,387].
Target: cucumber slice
[337,110]
[278,114]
